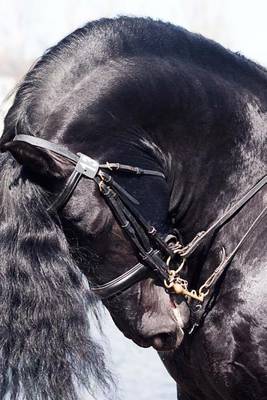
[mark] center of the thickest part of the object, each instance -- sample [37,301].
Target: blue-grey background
[28,27]
[139,372]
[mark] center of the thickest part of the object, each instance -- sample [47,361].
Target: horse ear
[39,161]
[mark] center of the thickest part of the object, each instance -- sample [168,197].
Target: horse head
[145,312]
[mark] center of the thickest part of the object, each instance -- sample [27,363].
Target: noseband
[156,254]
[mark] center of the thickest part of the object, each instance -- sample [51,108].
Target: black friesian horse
[147,94]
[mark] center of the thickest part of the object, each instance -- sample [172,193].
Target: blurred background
[29,27]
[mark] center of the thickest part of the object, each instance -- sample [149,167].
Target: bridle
[157,255]
[145,238]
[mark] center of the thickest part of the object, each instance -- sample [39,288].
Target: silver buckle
[87,166]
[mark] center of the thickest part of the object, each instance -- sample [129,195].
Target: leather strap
[198,316]
[61,150]
[132,229]
[67,191]
[45,144]
[187,250]
[130,169]
[122,282]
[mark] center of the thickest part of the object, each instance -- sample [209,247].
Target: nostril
[164,341]
[157,342]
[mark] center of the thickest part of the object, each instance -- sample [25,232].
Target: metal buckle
[87,166]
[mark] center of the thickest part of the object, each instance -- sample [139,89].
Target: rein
[179,285]
[152,249]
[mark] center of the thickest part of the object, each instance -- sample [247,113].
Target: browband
[83,160]
[45,144]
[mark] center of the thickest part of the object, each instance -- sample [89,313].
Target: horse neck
[212,169]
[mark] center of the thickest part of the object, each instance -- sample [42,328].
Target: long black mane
[45,343]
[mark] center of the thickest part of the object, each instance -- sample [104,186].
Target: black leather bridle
[146,239]
[153,250]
